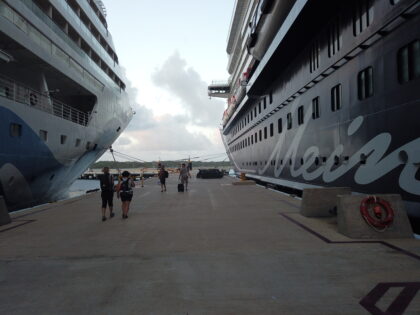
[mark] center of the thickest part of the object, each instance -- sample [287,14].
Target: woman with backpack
[125,192]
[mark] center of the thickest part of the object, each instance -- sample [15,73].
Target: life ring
[33,99]
[381,215]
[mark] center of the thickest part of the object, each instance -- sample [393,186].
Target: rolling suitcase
[180,187]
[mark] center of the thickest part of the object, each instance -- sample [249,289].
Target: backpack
[166,174]
[126,187]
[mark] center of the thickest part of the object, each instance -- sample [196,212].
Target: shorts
[126,196]
[162,180]
[184,179]
[107,197]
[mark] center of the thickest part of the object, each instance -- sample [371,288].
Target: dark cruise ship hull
[371,142]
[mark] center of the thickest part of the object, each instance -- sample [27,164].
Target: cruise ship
[325,93]
[62,96]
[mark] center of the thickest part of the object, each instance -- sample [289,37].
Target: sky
[170,51]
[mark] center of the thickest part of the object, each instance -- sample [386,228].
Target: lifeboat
[267,20]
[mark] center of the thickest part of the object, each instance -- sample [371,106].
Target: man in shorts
[107,192]
[184,173]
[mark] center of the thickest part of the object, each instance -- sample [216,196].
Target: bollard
[4,213]
[321,202]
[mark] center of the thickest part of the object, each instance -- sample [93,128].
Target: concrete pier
[216,249]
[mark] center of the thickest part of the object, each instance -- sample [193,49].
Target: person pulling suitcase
[184,174]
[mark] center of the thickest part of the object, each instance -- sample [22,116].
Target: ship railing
[22,94]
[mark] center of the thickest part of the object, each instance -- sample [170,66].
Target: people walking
[125,192]
[162,174]
[107,192]
[184,174]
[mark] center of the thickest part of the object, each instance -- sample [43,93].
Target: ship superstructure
[325,93]
[62,95]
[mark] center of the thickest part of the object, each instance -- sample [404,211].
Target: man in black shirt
[107,194]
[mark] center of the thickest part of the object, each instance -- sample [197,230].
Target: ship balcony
[219,89]
[19,93]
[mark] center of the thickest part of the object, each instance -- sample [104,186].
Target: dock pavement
[216,249]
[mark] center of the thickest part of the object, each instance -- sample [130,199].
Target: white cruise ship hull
[62,100]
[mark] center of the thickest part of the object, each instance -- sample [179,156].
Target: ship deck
[216,249]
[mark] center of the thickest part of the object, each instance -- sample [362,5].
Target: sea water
[81,186]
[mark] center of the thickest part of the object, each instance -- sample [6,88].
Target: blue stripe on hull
[29,172]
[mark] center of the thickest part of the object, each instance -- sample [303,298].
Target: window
[409,62]
[289,121]
[336,98]
[394,1]
[314,56]
[362,15]
[256,140]
[270,97]
[260,134]
[279,125]
[255,111]
[15,130]
[252,139]
[300,115]
[43,134]
[259,107]
[5,91]
[63,139]
[78,141]
[271,129]
[251,116]
[315,108]
[265,102]
[88,145]
[265,132]
[334,38]
[365,83]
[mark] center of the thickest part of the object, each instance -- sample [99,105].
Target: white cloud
[186,124]
[186,84]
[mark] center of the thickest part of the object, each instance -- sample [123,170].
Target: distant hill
[122,165]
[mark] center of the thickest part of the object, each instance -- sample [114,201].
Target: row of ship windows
[317,161]
[68,34]
[408,70]
[83,19]
[15,131]
[262,105]
[362,16]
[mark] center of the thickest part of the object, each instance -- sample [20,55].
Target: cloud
[143,119]
[186,84]
[171,135]
[190,129]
